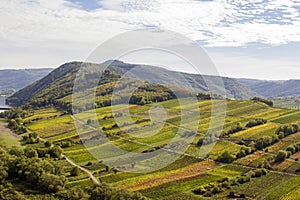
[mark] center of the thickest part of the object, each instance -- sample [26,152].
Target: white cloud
[62,20]
[219,23]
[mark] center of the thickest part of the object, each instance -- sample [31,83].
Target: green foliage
[65,143]
[56,152]
[14,114]
[89,121]
[281,156]
[104,192]
[255,122]
[286,130]
[234,129]
[266,101]
[16,151]
[30,153]
[265,141]
[258,173]
[210,189]
[15,119]
[244,152]
[206,96]
[75,171]
[294,148]
[48,144]
[226,157]
[45,177]
[31,138]
[33,170]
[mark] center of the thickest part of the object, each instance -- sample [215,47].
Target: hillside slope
[273,88]
[18,79]
[58,85]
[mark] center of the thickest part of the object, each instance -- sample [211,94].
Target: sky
[246,38]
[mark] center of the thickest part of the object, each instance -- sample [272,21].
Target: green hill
[56,88]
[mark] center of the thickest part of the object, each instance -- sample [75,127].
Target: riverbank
[7,137]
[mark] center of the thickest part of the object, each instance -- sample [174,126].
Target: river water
[2,103]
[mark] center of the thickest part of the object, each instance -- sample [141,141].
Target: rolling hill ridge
[58,85]
[273,88]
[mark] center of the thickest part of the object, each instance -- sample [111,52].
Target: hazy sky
[247,38]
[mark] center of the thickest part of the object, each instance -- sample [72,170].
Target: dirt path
[4,129]
[94,179]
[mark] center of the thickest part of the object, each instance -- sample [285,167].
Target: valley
[189,171]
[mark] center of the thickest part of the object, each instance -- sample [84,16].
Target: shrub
[48,144]
[281,156]
[266,101]
[243,179]
[236,128]
[30,153]
[255,122]
[75,171]
[287,130]
[258,173]
[226,157]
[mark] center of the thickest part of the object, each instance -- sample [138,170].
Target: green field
[7,137]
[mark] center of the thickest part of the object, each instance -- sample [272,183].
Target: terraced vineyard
[182,177]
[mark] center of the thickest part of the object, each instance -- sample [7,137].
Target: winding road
[93,178]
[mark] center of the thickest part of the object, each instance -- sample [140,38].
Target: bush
[89,121]
[243,179]
[226,157]
[30,153]
[236,128]
[258,173]
[281,156]
[56,152]
[75,171]
[255,122]
[244,152]
[266,101]
[287,130]
[264,142]
[48,144]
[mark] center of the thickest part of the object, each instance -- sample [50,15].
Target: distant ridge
[280,88]
[16,79]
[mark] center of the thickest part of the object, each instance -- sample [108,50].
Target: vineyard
[182,177]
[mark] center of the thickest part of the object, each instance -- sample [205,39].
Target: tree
[30,153]
[89,121]
[75,171]
[16,151]
[281,156]
[266,101]
[48,144]
[3,173]
[226,157]
[51,183]
[56,152]
[236,128]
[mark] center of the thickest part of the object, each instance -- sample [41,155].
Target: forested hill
[12,79]
[273,88]
[55,85]
[56,88]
